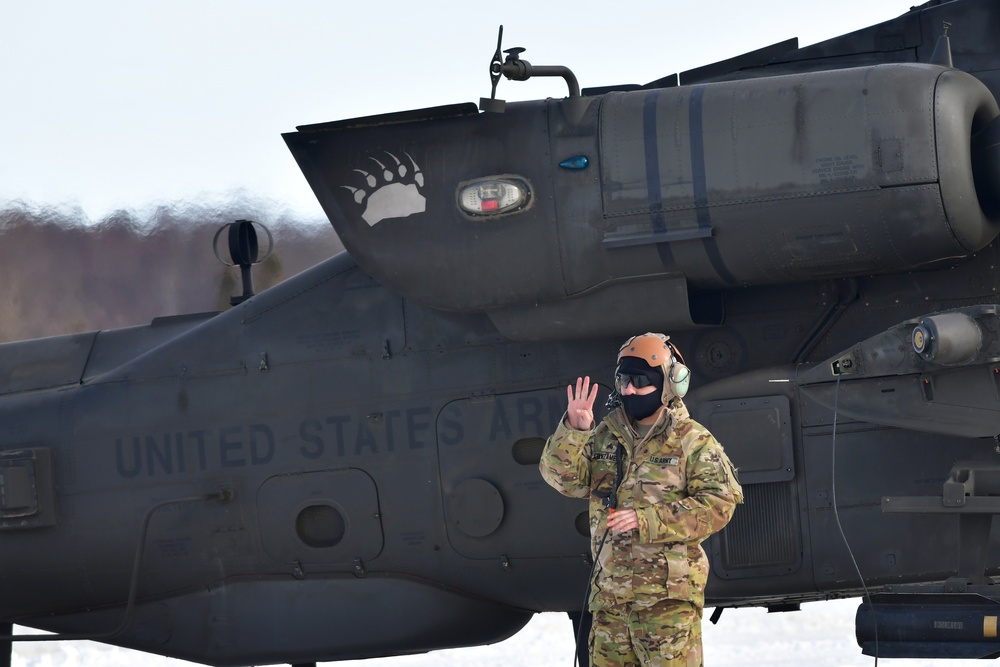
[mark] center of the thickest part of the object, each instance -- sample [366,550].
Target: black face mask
[639,406]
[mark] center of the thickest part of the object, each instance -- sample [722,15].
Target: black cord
[836,514]
[611,502]
[586,596]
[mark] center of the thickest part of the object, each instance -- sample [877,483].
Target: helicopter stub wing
[939,373]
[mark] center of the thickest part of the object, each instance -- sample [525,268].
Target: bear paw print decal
[392,188]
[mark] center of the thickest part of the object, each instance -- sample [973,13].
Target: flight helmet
[658,352]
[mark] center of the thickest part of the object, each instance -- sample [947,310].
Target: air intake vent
[764,536]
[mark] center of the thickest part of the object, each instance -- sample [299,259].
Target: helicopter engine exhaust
[986,167]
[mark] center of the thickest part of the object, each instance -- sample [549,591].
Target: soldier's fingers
[593,394]
[569,393]
[622,521]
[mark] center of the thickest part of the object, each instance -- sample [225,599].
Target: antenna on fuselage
[516,69]
[244,251]
[942,49]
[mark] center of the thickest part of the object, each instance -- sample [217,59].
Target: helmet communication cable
[611,502]
[586,597]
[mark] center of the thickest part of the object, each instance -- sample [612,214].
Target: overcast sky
[128,103]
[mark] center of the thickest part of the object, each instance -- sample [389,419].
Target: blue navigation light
[576,162]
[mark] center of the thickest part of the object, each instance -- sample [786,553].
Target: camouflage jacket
[680,483]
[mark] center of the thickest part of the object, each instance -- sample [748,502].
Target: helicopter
[344,465]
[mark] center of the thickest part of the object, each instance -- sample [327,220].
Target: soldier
[660,484]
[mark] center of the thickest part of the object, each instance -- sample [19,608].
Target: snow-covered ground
[821,635]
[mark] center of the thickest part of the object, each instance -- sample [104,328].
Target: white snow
[820,635]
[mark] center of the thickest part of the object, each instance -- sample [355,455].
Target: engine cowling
[557,210]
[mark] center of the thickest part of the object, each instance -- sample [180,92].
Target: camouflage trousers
[668,634]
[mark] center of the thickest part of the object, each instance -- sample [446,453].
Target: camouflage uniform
[649,587]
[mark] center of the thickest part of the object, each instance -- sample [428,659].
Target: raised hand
[580,411]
